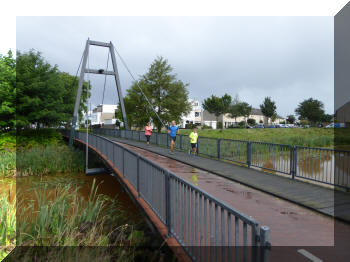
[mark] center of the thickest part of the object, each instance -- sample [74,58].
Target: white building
[194,116]
[104,114]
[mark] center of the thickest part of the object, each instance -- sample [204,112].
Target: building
[342,115]
[194,116]
[256,114]
[103,114]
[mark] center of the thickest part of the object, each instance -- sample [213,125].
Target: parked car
[335,125]
[259,126]
[271,126]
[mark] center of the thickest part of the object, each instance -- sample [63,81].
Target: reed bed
[52,159]
[61,217]
[7,163]
[8,223]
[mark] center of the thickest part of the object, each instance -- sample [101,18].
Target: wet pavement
[290,224]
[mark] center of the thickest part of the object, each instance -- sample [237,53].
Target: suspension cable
[132,76]
[104,85]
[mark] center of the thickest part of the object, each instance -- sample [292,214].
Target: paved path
[309,195]
[290,224]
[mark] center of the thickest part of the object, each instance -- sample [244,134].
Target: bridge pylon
[85,70]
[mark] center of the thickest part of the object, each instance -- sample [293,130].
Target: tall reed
[42,160]
[8,224]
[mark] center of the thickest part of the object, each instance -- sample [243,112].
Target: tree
[7,91]
[268,107]
[290,119]
[244,110]
[45,96]
[217,105]
[251,121]
[167,94]
[311,110]
[326,118]
[233,109]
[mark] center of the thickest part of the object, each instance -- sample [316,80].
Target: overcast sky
[287,58]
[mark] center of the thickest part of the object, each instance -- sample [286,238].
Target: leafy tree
[233,109]
[273,118]
[251,121]
[217,105]
[167,94]
[7,91]
[311,110]
[326,118]
[244,110]
[291,119]
[45,96]
[268,107]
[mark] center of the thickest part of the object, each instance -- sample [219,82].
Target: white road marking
[309,255]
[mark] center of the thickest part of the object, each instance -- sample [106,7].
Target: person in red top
[148,130]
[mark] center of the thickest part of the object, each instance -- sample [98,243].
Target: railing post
[138,176]
[295,161]
[139,135]
[167,140]
[167,202]
[265,243]
[219,149]
[181,142]
[123,162]
[198,146]
[249,153]
[292,171]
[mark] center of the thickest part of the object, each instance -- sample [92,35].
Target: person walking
[172,131]
[193,140]
[148,130]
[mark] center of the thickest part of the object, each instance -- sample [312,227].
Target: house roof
[255,111]
[208,116]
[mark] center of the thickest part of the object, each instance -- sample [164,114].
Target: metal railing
[327,166]
[207,229]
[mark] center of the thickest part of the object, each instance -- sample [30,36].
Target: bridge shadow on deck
[324,200]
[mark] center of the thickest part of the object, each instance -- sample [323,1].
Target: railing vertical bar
[229,236]
[217,237]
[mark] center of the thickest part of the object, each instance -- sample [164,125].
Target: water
[26,187]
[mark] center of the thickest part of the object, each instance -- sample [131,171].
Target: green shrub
[251,121]
[206,127]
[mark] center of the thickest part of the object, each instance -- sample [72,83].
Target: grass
[311,137]
[8,224]
[7,163]
[37,152]
[55,215]
[52,159]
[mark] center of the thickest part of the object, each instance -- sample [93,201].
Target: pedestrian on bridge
[148,130]
[193,140]
[172,131]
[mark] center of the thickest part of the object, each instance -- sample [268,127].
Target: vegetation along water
[49,201]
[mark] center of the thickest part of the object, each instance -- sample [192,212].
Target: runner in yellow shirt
[193,140]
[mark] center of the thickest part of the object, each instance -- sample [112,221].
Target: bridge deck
[288,222]
[318,198]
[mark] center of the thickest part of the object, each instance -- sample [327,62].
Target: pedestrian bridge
[196,205]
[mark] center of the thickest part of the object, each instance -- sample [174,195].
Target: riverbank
[57,205]
[310,137]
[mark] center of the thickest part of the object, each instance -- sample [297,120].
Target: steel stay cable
[104,85]
[132,76]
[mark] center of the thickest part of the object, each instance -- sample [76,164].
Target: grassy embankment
[54,214]
[311,137]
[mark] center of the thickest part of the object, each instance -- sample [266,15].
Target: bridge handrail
[173,185]
[262,155]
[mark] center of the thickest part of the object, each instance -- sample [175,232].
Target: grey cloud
[287,58]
